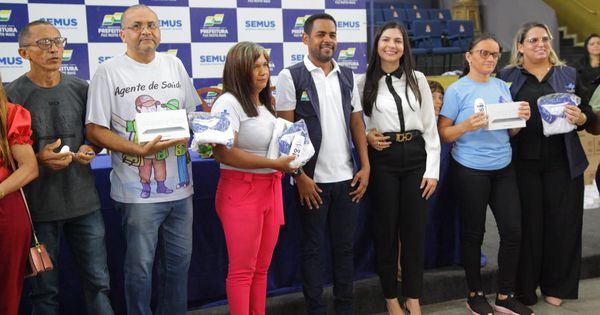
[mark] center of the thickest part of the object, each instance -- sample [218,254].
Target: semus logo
[213,20]
[67,54]
[346,54]
[112,19]
[300,20]
[5,15]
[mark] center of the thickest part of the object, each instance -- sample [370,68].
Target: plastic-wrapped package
[209,128]
[281,125]
[291,138]
[552,111]
[295,141]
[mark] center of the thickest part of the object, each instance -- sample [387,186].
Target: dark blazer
[562,80]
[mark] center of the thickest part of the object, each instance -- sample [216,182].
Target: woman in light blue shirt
[482,173]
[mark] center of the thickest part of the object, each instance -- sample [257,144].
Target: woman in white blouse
[404,151]
[248,199]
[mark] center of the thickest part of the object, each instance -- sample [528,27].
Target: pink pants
[250,207]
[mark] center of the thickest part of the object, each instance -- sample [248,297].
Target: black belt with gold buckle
[403,136]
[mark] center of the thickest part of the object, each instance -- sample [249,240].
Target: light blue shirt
[480,149]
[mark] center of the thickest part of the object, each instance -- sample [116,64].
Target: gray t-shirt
[57,112]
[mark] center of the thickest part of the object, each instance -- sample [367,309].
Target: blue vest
[562,80]
[307,108]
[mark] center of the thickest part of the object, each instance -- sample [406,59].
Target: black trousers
[338,213]
[552,205]
[399,211]
[475,190]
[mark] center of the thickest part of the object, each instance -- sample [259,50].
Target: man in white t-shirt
[330,186]
[150,182]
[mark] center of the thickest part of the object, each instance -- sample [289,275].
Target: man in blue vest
[330,186]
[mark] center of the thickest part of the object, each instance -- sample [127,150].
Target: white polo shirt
[334,163]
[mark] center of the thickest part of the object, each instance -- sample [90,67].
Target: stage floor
[587,304]
[444,288]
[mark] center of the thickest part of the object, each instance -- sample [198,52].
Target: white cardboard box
[504,116]
[170,124]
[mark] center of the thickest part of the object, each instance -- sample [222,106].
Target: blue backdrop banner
[199,32]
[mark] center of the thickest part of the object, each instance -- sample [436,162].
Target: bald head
[125,17]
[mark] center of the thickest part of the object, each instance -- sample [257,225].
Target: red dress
[15,229]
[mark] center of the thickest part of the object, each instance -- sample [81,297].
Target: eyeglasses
[535,40]
[46,43]
[485,54]
[138,27]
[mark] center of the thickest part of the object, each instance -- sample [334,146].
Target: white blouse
[384,117]
[254,133]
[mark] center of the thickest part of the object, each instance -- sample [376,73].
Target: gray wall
[505,17]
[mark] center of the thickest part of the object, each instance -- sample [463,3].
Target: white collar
[311,66]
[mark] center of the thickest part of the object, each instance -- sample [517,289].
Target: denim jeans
[85,236]
[168,227]
[339,213]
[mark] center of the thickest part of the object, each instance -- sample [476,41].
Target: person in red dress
[15,228]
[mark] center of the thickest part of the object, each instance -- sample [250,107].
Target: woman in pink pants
[248,199]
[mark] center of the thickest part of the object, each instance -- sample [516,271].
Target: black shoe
[478,304]
[512,306]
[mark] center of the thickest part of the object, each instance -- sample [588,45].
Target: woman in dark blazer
[549,171]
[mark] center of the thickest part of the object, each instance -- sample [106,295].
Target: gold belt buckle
[402,137]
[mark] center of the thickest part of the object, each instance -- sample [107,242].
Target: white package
[281,125]
[295,141]
[210,128]
[291,138]
[169,124]
[552,111]
[504,116]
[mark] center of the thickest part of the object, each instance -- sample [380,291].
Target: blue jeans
[168,226]
[339,213]
[85,236]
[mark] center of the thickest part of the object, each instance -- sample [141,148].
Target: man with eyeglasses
[156,207]
[63,199]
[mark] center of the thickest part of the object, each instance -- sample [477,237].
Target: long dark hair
[586,53]
[473,43]
[237,76]
[374,72]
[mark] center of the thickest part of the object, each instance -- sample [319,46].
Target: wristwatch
[299,171]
